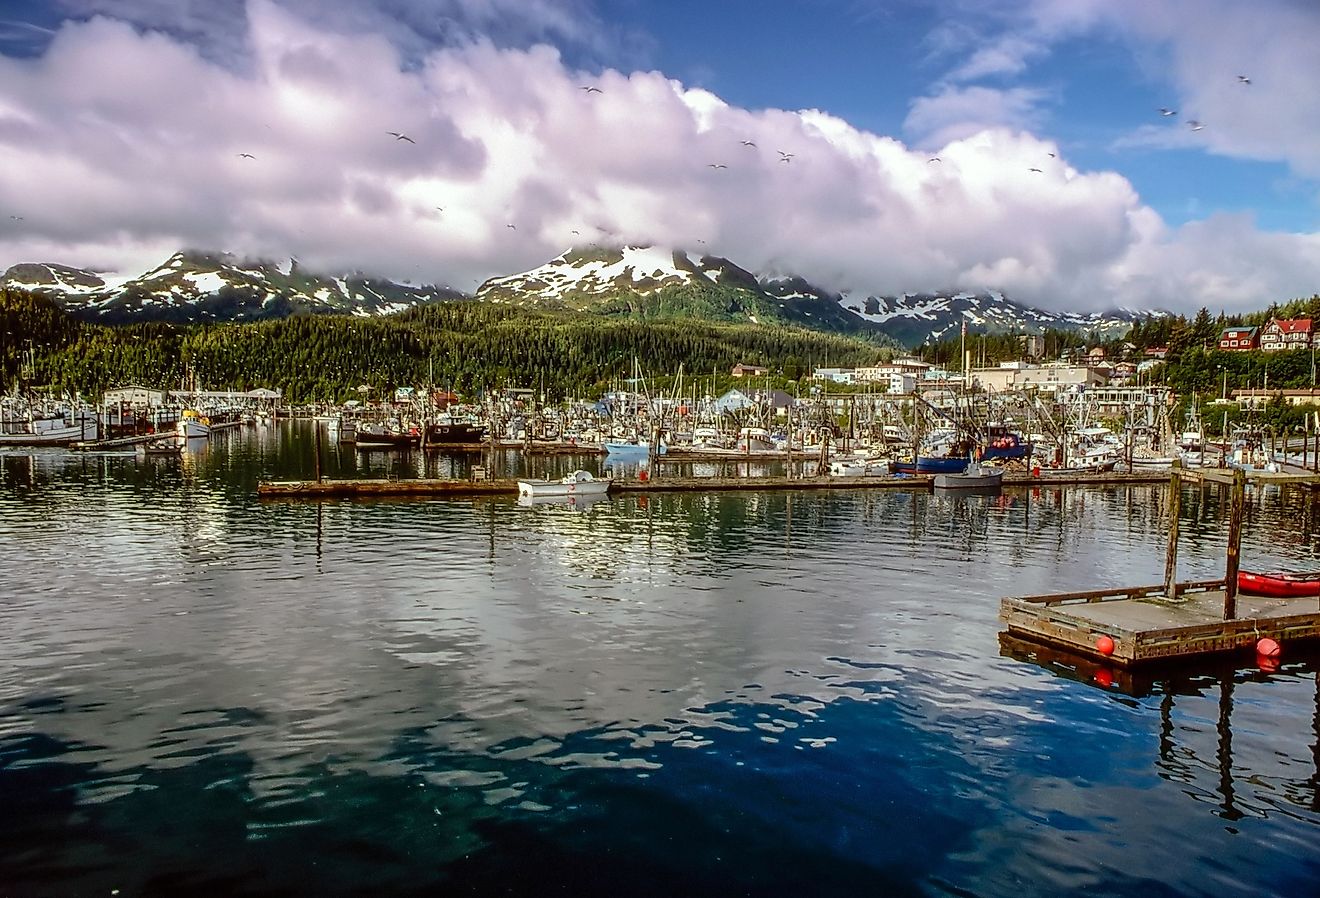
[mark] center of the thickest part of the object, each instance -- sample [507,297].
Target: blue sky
[1133,208]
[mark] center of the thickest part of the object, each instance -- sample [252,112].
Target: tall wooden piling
[1237,503]
[1171,553]
[316,452]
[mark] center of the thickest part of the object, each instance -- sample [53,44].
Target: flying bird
[511,227]
[1033,169]
[397,136]
[748,143]
[785,155]
[591,89]
[246,156]
[575,232]
[934,159]
[1052,156]
[16,217]
[788,158]
[1195,125]
[1243,79]
[1166,112]
[716,165]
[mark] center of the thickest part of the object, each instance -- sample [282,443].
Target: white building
[1049,378]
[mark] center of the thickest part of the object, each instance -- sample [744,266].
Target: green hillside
[466,345]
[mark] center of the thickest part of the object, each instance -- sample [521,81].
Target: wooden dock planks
[1146,626]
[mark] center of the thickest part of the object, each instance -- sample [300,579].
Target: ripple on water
[732,692]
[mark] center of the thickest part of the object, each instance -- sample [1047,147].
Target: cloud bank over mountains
[121,144]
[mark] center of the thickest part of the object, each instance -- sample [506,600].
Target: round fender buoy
[1104,645]
[1268,648]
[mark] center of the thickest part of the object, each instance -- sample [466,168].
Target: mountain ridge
[642,282]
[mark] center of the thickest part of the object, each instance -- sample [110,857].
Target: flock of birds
[784,157]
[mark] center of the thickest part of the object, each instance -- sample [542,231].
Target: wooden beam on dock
[1171,552]
[327,489]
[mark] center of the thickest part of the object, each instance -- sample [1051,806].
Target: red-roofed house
[1286,333]
[1238,339]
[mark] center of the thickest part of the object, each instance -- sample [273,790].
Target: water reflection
[729,692]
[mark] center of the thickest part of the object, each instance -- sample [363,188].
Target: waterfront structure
[1049,378]
[1253,398]
[1286,333]
[1239,339]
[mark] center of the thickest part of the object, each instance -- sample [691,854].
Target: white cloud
[117,146]
[957,112]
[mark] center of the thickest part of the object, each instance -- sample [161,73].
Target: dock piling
[1237,502]
[1171,553]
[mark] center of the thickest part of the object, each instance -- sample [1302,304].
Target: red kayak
[1279,586]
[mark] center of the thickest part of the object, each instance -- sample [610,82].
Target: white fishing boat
[859,467]
[191,424]
[975,477]
[579,483]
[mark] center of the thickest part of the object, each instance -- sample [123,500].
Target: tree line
[464,346]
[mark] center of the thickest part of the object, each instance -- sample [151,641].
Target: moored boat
[975,477]
[579,483]
[1279,585]
[191,424]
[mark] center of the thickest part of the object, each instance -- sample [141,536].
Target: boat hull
[931,465]
[579,483]
[1279,586]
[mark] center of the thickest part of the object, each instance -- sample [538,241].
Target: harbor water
[700,693]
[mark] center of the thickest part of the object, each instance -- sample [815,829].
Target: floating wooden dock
[332,489]
[1145,625]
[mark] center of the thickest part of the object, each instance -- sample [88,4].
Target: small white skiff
[579,483]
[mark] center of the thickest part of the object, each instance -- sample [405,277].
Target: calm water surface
[680,694]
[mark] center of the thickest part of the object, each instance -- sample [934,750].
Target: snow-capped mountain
[635,281]
[653,283]
[915,317]
[195,286]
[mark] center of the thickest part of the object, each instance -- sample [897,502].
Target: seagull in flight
[1195,125]
[1052,156]
[748,143]
[511,227]
[785,155]
[1033,169]
[397,136]
[1166,112]
[16,217]
[591,89]
[1243,79]
[246,156]
[576,232]
[934,159]
[716,165]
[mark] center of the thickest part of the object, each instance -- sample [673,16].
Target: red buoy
[1104,645]
[1104,677]
[1268,648]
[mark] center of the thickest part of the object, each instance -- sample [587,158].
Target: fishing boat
[974,477]
[579,483]
[386,436]
[1279,585]
[166,446]
[192,424]
[448,430]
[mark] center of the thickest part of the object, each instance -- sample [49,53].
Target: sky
[870,146]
